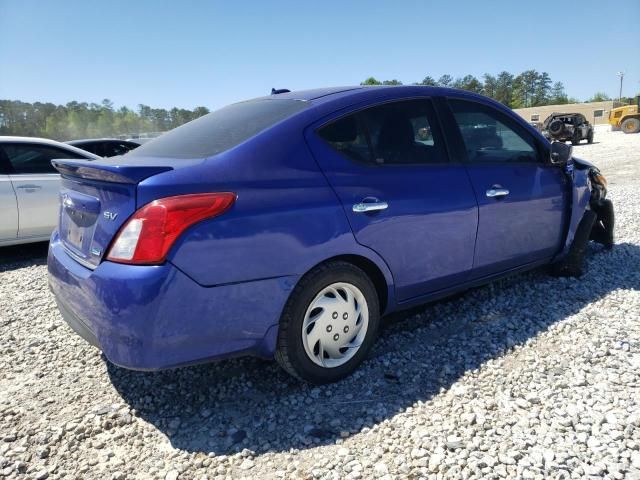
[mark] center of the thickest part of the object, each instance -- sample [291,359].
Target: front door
[404,200]
[521,197]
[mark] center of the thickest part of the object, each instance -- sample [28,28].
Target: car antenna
[280,90]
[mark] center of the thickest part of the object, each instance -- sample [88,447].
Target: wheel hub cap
[335,325]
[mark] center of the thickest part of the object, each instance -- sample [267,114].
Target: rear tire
[630,125]
[329,324]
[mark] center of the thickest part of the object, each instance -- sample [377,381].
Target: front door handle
[497,192]
[374,206]
[29,187]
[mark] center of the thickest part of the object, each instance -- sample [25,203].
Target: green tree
[599,97]
[445,81]
[81,119]
[504,88]
[468,82]
[524,89]
[371,81]
[490,85]
[542,90]
[558,96]
[429,81]
[200,111]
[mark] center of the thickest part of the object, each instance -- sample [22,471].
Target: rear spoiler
[107,173]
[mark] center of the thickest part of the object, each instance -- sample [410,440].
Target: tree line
[76,120]
[90,120]
[527,89]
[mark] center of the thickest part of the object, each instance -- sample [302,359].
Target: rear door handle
[497,191]
[29,187]
[364,207]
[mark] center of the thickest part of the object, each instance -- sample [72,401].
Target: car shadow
[225,407]
[20,256]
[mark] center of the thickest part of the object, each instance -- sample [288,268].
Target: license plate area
[78,217]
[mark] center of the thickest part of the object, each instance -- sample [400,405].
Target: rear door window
[390,134]
[33,158]
[348,137]
[221,130]
[404,133]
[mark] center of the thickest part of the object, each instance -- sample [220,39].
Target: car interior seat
[397,144]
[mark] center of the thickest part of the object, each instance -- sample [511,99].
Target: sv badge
[110,215]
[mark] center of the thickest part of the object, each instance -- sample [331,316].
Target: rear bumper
[156,317]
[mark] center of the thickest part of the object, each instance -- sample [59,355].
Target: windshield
[220,130]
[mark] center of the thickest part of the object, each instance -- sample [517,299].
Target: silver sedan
[29,187]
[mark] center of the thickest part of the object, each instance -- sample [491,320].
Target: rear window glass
[220,130]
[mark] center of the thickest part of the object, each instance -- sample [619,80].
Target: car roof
[566,115]
[321,95]
[314,93]
[340,97]
[46,141]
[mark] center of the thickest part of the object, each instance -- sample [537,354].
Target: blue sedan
[287,226]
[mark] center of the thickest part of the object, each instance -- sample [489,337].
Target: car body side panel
[38,203]
[8,210]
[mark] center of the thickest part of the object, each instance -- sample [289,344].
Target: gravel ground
[529,377]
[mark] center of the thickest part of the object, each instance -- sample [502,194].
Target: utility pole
[621,75]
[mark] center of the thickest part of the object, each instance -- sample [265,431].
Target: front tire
[572,264]
[329,323]
[631,125]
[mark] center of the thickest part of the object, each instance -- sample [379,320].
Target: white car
[29,187]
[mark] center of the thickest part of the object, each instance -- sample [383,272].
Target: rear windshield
[220,130]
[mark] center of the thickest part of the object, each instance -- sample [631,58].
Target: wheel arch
[374,268]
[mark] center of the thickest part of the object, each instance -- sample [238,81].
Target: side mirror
[560,153]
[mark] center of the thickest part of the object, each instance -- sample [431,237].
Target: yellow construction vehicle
[626,118]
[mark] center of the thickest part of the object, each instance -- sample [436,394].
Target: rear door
[36,184]
[389,167]
[8,203]
[522,198]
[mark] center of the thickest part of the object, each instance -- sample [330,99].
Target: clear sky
[187,53]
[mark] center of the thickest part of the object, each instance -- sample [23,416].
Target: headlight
[599,179]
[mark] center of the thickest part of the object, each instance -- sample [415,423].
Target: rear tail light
[147,237]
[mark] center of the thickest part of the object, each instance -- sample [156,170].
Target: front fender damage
[592,217]
[602,231]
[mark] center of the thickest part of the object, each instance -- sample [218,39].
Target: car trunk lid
[95,201]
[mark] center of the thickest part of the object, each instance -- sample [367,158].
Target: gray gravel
[529,377]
